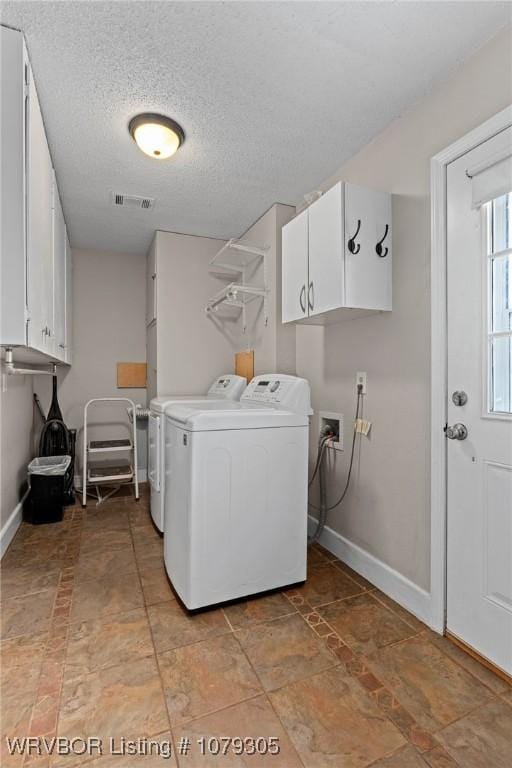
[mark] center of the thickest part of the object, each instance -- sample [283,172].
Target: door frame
[438,327]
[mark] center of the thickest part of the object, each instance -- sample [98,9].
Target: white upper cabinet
[68,349]
[33,256]
[295,268]
[326,278]
[59,270]
[344,242]
[41,331]
[368,223]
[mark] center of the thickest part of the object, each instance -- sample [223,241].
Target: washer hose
[324,508]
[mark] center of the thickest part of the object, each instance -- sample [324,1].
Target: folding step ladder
[115,472]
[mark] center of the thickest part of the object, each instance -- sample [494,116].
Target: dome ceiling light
[156,135]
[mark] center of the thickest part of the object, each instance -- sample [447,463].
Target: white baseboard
[398,587]
[11,525]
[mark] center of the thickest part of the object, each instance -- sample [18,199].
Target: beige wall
[387,510]
[16,417]
[108,325]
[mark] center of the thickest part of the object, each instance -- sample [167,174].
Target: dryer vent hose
[320,470]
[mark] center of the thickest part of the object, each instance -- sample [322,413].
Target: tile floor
[94,643]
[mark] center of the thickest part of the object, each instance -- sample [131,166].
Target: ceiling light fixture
[156,135]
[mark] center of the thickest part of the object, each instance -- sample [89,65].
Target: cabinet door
[39,230]
[59,275]
[367,275]
[326,269]
[294,257]
[69,304]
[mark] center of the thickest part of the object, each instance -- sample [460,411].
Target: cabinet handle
[311,296]
[352,245]
[302,298]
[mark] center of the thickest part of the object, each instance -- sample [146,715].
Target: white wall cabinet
[36,273]
[340,249]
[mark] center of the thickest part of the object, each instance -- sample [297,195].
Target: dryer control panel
[281,391]
[227,387]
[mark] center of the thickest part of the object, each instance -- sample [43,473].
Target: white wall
[108,327]
[387,510]
[191,350]
[16,417]
[273,343]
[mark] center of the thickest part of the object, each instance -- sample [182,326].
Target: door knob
[457,432]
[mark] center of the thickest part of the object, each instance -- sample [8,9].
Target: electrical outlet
[361,379]
[334,423]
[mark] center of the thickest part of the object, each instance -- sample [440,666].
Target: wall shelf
[238,254]
[235,295]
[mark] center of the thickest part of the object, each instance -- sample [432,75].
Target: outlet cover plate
[361,379]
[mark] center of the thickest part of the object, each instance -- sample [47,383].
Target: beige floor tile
[156,585]
[27,615]
[125,700]
[413,622]
[23,651]
[96,540]
[334,723]
[432,688]
[103,563]
[483,739]
[251,719]
[353,575]
[114,518]
[148,546]
[492,681]
[406,757]
[284,650]
[25,580]
[172,625]
[325,584]
[111,594]
[256,609]
[204,677]
[365,624]
[507,696]
[36,553]
[107,641]
[18,691]
[139,515]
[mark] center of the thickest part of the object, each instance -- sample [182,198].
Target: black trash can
[47,480]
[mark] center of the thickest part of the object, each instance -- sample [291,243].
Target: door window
[499,329]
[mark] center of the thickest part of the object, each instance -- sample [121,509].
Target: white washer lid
[159,404]
[218,417]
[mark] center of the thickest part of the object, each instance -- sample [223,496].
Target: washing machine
[236,492]
[226,387]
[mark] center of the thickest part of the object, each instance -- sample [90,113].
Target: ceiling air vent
[132,201]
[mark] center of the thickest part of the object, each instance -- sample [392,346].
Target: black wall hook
[352,245]
[378,248]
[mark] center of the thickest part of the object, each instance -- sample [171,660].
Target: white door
[294,257]
[39,240]
[154,427]
[479,513]
[326,260]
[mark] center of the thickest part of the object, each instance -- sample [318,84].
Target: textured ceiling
[273,97]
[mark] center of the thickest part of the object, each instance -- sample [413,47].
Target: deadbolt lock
[459,397]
